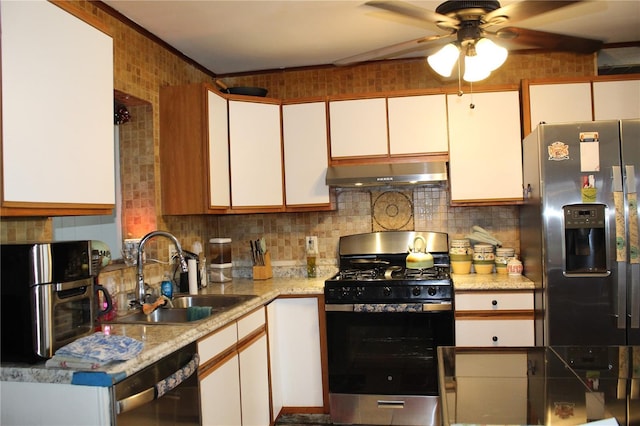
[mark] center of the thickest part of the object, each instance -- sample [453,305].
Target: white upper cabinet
[485,154]
[306,158]
[255,154]
[358,127]
[218,128]
[560,103]
[613,100]
[418,125]
[57,108]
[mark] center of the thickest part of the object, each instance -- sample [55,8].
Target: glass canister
[461,256]
[220,265]
[483,258]
[219,251]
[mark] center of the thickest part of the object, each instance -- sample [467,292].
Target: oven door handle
[426,307]
[159,389]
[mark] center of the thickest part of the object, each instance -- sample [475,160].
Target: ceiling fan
[465,23]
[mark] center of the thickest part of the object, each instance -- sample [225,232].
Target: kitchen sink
[180,312]
[215,301]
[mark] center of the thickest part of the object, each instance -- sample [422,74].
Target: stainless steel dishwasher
[164,393]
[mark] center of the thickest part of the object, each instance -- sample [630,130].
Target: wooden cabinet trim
[496,315]
[216,362]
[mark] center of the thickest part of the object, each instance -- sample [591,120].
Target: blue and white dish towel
[95,350]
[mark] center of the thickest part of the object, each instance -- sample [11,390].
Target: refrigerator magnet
[589,152]
[558,151]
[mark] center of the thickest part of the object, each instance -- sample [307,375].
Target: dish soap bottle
[166,287]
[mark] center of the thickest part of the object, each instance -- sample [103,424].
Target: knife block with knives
[263,272]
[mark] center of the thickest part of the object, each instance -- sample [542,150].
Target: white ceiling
[241,36]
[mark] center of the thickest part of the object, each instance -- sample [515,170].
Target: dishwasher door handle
[159,389]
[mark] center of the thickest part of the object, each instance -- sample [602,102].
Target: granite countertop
[161,340]
[488,282]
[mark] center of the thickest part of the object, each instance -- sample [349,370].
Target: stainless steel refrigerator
[579,231]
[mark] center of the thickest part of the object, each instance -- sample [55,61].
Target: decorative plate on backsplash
[392,211]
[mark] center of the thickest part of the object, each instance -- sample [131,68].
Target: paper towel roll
[192,265]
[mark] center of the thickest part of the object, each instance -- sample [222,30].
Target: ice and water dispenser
[585,249]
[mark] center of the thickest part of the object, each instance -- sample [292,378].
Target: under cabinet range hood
[387,174]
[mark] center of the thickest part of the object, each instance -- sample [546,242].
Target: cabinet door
[254,383]
[218,131]
[358,127]
[485,154]
[418,125]
[57,107]
[295,353]
[256,154]
[304,136]
[220,394]
[616,100]
[560,103]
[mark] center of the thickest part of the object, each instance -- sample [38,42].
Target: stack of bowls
[503,255]
[461,255]
[483,258]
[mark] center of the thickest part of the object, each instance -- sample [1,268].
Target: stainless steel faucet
[183,263]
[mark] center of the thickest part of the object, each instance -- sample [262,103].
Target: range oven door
[384,363]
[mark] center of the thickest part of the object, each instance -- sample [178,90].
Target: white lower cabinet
[26,403]
[234,374]
[254,383]
[295,353]
[220,394]
[501,318]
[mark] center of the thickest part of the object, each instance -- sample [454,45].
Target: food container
[461,256]
[483,258]
[503,255]
[220,251]
[220,273]
[514,267]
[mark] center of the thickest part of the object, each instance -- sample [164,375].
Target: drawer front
[494,301]
[218,342]
[494,333]
[251,323]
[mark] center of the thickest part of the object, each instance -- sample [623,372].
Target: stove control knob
[386,291]
[345,291]
[416,291]
[359,291]
[431,291]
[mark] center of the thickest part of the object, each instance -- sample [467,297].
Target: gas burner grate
[358,274]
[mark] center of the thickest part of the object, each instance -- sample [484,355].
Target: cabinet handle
[494,302]
[494,338]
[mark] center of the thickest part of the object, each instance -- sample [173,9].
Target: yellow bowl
[461,267]
[483,268]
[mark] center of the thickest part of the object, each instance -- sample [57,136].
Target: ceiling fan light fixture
[444,59]
[492,55]
[475,69]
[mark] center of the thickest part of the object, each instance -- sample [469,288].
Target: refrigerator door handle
[633,243]
[621,249]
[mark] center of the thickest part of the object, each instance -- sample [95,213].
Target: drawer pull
[494,338]
[494,302]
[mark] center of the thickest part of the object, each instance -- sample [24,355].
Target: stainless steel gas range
[384,323]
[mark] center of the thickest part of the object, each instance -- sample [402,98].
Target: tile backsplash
[285,233]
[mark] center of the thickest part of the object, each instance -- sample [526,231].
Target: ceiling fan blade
[550,41]
[523,9]
[407,9]
[396,50]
